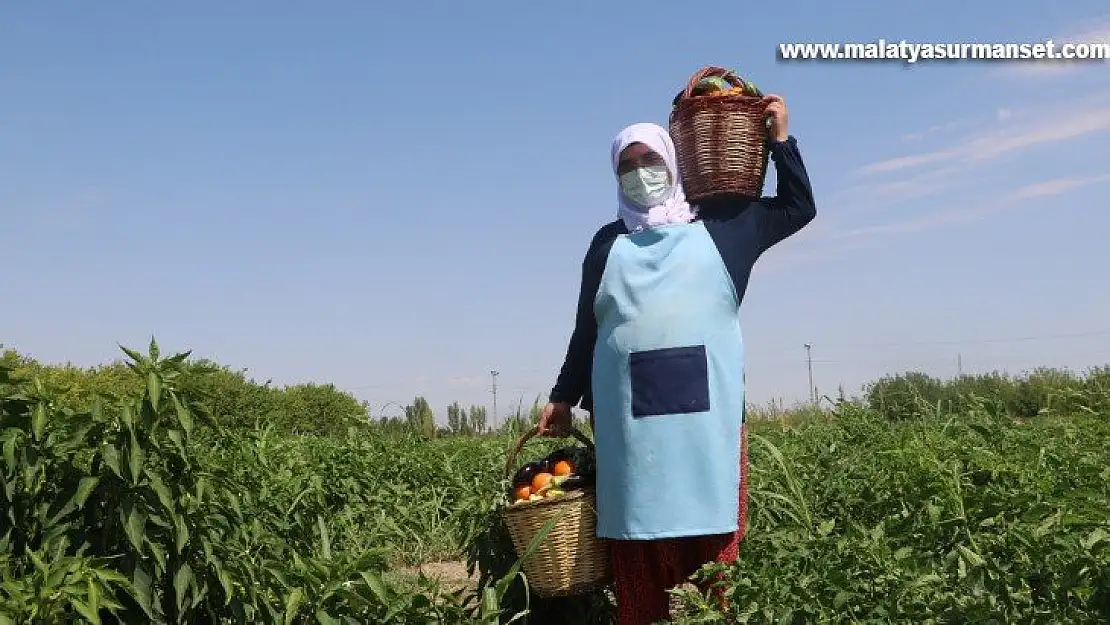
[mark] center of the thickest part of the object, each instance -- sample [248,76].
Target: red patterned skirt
[643,570]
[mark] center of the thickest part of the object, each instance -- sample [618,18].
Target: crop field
[143,493]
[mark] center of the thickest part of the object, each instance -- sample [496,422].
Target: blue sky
[397,201]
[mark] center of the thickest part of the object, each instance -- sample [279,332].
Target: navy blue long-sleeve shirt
[741,228]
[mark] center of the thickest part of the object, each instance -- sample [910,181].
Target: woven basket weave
[720,141]
[571,559]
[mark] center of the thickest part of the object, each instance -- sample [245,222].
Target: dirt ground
[450,574]
[453,575]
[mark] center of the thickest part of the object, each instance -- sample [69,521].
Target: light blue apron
[668,387]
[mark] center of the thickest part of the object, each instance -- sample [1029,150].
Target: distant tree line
[239,401]
[1043,391]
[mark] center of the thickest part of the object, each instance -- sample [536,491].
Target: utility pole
[493,375]
[809,366]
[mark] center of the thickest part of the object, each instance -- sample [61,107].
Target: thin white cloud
[1051,130]
[980,210]
[1095,31]
[925,222]
[906,162]
[1049,188]
[936,130]
[1002,114]
[1062,124]
[923,184]
[1002,132]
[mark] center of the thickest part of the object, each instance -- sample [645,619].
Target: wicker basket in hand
[571,559]
[720,140]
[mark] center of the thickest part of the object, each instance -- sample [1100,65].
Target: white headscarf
[674,208]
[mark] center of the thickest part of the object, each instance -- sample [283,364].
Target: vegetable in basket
[720,86]
[563,470]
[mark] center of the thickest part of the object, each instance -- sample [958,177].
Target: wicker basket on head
[720,140]
[571,559]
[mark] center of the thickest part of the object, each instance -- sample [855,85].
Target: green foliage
[456,419]
[76,387]
[146,510]
[115,485]
[233,399]
[1041,392]
[162,489]
[466,422]
[476,419]
[519,420]
[975,519]
[906,395]
[420,418]
[322,409]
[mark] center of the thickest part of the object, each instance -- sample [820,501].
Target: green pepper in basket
[720,85]
[710,85]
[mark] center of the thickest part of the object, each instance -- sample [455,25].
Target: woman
[657,357]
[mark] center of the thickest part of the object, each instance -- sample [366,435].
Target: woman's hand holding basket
[778,116]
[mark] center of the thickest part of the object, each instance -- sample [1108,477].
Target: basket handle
[706,72]
[510,462]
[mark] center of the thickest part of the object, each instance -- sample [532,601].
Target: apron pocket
[669,381]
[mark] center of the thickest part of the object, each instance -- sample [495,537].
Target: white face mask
[646,186]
